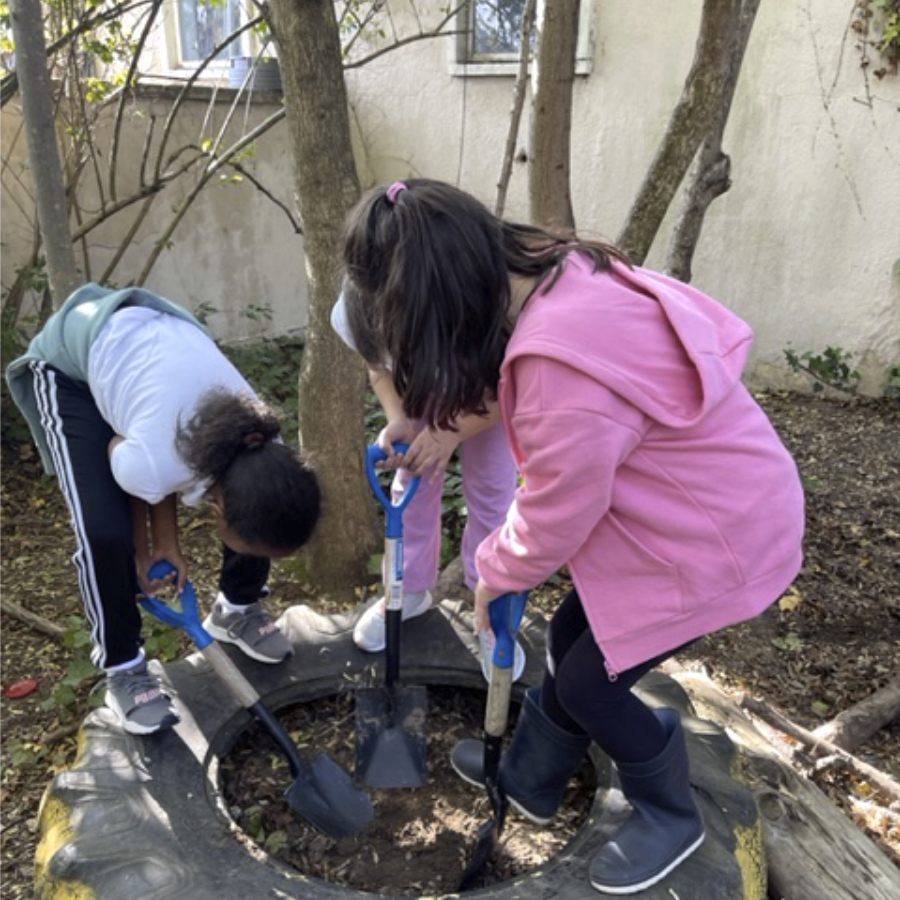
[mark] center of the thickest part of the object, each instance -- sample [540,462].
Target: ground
[832,640]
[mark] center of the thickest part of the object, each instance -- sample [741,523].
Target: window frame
[463,64]
[246,46]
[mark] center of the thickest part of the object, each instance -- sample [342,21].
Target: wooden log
[854,726]
[819,748]
[813,849]
[32,619]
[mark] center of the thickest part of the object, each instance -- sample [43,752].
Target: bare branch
[518,105]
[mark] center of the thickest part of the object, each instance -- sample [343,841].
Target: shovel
[322,791]
[390,720]
[506,614]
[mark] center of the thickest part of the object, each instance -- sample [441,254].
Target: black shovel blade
[325,794]
[390,736]
[488,835]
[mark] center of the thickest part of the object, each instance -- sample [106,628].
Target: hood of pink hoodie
[607,325]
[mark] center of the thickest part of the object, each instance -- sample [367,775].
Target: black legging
[581,698]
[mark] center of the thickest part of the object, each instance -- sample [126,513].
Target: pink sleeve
[571,434]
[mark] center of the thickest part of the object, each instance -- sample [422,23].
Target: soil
[422,838]
[832,640]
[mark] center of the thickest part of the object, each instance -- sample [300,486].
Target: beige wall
[234,247]
[802,246]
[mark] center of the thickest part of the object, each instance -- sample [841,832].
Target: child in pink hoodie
[647,468]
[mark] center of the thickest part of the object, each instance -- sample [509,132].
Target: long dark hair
[270,494]
[427,290]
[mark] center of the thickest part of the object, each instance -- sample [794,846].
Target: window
[196,27]
[489,44]
[495,30]
[202,25]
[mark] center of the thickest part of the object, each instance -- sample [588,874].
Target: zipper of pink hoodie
[611,673]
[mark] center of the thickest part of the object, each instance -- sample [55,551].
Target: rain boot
[664,826]
[535,769]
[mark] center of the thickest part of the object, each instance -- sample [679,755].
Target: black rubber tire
[142,818]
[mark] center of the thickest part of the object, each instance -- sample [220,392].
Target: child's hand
[432,450]
[483,598]
[174,580]
[153,587]
[397,431]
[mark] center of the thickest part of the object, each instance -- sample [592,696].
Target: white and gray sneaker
[139,700]
[368,634]
[251,629]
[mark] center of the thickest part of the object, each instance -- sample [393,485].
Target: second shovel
[390,720]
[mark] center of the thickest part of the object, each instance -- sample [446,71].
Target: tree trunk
[549,163]
[711,176]
[688,127]
[43,151]
[332,381]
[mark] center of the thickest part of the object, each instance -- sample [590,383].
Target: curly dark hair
[427,290]
[270,494]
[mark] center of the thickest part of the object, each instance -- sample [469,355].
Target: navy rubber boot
[664,826]
[535,769]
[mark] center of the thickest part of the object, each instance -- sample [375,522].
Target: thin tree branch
[518,105]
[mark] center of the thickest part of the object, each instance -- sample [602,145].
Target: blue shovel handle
[394,511]
[506,615]
[188,618]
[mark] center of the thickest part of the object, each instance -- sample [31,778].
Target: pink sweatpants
[488,485]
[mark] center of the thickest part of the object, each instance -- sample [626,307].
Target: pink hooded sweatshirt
[647,467]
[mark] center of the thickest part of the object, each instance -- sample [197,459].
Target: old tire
[142,819]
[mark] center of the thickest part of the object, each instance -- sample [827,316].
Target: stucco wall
[802,246]
[804,243]
[234,247]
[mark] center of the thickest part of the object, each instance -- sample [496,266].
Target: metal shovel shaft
[496,717]
[390,733]
[506,614]
[322,792]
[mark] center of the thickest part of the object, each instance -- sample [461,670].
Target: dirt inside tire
[421,838]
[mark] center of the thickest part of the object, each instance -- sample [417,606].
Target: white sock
[413,599]
[229,607]
[129,665]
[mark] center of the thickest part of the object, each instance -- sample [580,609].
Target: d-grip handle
[188,618]
[506,615]
[374,454]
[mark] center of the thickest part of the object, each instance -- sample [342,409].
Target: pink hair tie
[394,190]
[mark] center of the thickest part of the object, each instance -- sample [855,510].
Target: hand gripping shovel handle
[506,616]
[322,791]
[188,619]
[394,511]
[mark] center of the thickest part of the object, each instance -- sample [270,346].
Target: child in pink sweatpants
[488,484]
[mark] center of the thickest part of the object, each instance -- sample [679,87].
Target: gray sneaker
[139,700]
[252,630]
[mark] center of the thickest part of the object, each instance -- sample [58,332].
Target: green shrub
[830,369]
